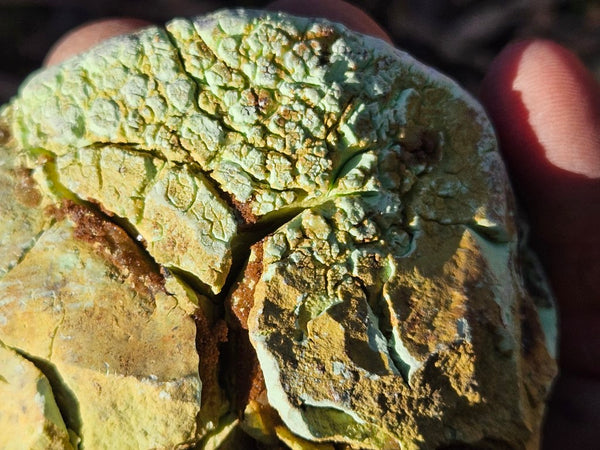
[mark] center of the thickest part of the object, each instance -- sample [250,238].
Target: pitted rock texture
[340,206]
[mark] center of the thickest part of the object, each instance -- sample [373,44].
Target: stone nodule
[250,226]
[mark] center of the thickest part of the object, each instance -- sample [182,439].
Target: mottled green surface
[390,309]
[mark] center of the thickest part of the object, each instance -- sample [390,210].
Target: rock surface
[29,406]
[382,296]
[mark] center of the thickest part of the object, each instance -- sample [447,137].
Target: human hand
[546,109]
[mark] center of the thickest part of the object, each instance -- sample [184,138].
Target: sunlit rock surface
[251,226]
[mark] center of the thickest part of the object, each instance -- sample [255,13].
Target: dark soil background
[459,37]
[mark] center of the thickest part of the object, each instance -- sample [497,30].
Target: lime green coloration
[387,302]
[177,213]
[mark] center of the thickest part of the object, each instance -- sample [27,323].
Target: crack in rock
[358,192]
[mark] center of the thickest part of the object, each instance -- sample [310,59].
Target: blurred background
[459,37]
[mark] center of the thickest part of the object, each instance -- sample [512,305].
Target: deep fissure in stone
[66,400]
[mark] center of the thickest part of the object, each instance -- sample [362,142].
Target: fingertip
[87,35]
[546,106]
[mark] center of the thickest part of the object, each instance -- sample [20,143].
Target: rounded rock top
[250,226]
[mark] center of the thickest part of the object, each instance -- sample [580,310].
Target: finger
[85,36]
[573,417]
[334,10]
[546,108]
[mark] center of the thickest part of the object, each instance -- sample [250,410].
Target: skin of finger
[87,35]
[334,10]
[573,417]
[539,96]
[572,142]
[546,167]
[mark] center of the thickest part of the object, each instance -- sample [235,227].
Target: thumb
[546,108]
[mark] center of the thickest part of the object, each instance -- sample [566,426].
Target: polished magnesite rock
[256,190]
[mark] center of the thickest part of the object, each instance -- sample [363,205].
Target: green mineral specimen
[253,226]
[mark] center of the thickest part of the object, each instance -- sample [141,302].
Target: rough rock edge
[248,219]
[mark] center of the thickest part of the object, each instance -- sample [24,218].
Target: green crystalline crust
[390,309]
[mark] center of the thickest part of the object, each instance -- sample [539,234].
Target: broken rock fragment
[29,417]
[250,228]
[115,345]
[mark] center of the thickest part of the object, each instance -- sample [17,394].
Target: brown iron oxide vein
[112,243]
[247,382]
[247,379]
